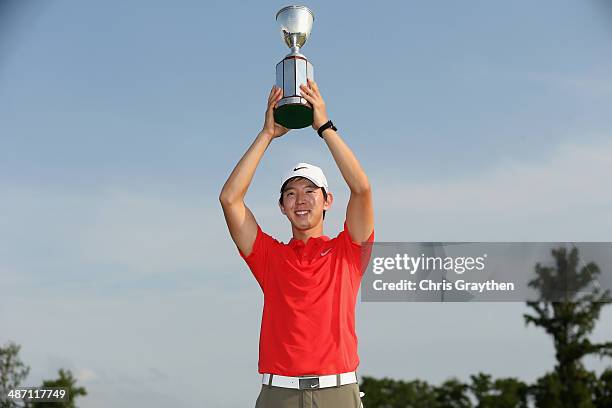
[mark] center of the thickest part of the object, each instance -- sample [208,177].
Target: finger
[275,92]
[278,95]
[271,103]
[309,95]
[313,85]
[271,93]
[309,98]
[305,89]
[275,98]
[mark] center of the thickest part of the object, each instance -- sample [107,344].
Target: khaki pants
[345,396]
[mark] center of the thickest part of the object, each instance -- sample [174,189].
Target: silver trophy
[293,111]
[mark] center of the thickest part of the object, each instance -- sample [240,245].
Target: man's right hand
[240,220]
[271,128]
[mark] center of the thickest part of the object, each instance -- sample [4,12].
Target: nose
[300,198]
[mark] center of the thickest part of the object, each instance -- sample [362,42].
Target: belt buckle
[310,383]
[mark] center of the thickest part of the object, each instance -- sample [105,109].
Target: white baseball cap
[312,173]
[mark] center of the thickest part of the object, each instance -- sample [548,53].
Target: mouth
[302,213]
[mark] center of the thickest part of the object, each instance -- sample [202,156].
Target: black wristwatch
[327,125]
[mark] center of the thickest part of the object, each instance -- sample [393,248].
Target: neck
[305,235]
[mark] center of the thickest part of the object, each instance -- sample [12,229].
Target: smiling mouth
[301,212]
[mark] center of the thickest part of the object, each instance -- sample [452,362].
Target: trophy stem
[293,44]
[293,40]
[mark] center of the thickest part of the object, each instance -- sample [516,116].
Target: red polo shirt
[310,291]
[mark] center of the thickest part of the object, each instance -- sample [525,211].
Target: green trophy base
[293,115]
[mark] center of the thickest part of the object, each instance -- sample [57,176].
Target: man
[308,347]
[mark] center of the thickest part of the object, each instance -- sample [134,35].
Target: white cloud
[85,375]
[590,86]
[564,197]
[109,235]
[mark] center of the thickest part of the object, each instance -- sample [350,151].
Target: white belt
[309,382]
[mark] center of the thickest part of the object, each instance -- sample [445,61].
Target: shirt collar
[297,243]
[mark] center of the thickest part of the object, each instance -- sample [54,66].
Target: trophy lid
[296,25]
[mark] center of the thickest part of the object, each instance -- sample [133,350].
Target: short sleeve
[357,252]
[257,260]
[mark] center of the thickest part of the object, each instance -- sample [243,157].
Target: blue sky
[120,121]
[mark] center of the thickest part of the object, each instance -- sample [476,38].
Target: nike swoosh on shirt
[325,252]
[314,386]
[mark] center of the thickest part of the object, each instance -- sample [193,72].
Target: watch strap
[327,125]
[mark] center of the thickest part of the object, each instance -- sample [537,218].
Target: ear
[330,199]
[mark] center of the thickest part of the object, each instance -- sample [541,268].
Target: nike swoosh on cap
[298,168]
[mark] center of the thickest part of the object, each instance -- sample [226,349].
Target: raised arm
[240,220]
[359,211]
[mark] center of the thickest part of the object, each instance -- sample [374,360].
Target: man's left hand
[313,96]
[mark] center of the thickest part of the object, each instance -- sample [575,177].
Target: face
[303,203]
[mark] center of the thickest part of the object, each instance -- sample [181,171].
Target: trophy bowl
[296,25]
[293,111]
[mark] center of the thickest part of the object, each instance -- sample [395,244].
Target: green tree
[602,390]
[501,393]
[12,372]
[66,381]
[569,319]
[547,391]
[388,393]
[452,394]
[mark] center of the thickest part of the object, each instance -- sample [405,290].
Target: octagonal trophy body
[293,111]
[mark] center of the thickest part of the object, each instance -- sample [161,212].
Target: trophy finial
[296,25]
